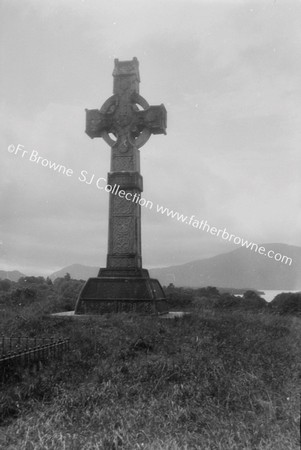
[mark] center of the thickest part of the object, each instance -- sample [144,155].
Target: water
[269,295]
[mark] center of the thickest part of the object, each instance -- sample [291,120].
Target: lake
[269,295]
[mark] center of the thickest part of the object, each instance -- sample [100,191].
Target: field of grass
[213,380]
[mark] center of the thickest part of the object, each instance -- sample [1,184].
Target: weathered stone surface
[125,163]
[109,294]
[125,121]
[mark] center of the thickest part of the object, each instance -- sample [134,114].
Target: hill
[241,268]
[12,275]
[76,271]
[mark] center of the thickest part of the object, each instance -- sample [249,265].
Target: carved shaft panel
[125,220]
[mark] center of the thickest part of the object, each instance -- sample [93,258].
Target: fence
[26,352]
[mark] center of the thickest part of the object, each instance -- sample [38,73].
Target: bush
[250,301]
[250,295]
[21,296]
[31,280]
[208,291]
[200,303]
[178,297]
[226,301]
[287,303]
[67,292]
[5,285]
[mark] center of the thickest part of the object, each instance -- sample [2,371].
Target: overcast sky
[228,73]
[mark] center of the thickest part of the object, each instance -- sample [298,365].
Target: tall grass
[212,380]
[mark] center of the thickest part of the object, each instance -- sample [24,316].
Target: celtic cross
[125,121]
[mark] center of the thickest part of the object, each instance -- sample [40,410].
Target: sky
[228,73]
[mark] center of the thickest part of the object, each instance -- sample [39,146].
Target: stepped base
[121,291]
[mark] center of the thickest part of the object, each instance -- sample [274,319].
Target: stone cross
[125,122]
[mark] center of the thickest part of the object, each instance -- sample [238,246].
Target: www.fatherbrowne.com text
[99,182]
[224,234]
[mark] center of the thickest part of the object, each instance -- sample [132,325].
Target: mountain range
[241,268]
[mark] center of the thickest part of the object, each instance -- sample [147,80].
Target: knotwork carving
[123,241]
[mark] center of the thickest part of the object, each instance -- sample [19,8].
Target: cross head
[126,120]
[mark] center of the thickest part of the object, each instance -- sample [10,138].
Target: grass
[212,380]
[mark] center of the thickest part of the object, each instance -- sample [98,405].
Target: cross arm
[100,120]
[97,122]
[154,118]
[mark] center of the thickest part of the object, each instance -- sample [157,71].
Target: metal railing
[25,352]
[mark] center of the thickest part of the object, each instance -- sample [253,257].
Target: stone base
[121,291]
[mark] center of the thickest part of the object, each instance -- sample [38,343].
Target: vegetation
[224,377]
[287,303]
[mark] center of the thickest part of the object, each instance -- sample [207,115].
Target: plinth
[125,122]
[122,291]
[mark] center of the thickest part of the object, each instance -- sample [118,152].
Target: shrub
[251,300]
[203,302]
[178,297]
[31,280]
[208,291]
[250,295]
[21,296]
[67,292]
[287,303]
[226,301]
[5,285]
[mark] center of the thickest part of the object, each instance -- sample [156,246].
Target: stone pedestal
[122,291]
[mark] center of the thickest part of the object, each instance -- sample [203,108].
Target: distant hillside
[12,275]
[241,268]
[77,271]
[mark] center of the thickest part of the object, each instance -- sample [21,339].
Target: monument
[125,122]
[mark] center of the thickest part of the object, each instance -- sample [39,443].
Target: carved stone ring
[109,107]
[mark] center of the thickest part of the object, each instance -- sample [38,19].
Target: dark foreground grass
[214,380]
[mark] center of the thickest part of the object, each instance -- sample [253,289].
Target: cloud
[228,74]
